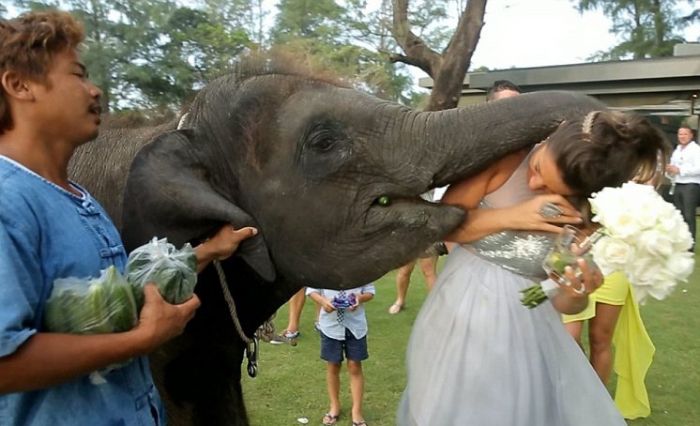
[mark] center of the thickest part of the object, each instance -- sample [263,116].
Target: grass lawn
[291,381]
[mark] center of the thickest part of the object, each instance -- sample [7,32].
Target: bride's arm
[524,216]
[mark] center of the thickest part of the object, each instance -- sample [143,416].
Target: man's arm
[691,168]
[47,359]
[221,245]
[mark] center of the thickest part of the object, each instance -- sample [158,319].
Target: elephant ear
[168,195]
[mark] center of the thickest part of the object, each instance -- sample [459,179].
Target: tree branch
[417,53]
[457,57]
[397,57]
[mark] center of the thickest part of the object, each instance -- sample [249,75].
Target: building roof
[659,86]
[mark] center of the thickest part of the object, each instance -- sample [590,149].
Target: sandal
[395,308]
[360,423]
[330,419]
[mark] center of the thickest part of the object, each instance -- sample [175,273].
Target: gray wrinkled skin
[305,161]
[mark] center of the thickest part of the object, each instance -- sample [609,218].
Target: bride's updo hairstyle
[606,148]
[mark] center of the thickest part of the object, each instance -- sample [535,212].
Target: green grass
[291,381]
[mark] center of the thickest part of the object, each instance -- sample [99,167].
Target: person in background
[684,173]
[428,266]
[502,89]
[614,318]
[291,333]
[343,329]
[52,228]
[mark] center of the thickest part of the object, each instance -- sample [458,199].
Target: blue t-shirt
[47,233]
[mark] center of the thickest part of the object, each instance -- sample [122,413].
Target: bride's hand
[584,283]
[547,212]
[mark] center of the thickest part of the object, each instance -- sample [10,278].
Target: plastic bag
[105,304]
[173,271]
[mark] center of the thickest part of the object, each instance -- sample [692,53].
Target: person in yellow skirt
[613,319]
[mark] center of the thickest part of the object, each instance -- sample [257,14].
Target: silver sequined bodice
[521,252]
[517,251]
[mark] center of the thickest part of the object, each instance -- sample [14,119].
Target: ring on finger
[581,290]
[550,210]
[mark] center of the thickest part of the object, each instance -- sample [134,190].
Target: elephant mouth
[400,214]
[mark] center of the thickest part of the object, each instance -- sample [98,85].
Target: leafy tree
[343,38]
[449,67]
[150,54]
[153,54]
[649,28]
[319,20]
[237,17]
[692,17]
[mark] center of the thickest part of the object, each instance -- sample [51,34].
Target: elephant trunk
[457,143]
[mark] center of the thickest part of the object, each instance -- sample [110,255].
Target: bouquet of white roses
[643,236]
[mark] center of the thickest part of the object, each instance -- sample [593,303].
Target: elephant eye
[325,147]
[323,140]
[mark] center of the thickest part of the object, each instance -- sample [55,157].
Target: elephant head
[331,176]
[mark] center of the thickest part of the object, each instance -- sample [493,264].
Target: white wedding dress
[478,357]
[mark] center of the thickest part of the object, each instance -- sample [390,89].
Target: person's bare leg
[296,305]
[333,384]
[574,329]
[403,278]
[357,384]
[428,266]
[600,335]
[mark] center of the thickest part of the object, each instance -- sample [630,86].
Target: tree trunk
[448,68]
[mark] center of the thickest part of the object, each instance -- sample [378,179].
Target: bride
[476,355]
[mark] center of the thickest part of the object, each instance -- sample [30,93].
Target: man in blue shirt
[52,228]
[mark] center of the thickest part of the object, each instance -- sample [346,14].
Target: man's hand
[672,170]
[160,321]
[222,245]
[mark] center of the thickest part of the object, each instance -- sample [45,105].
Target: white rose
[646,213]
[682,240]
[622,225]
[681,265]
[670,222]
[655,242]
[611,254]
[640,294]
[644,271]
[663,285]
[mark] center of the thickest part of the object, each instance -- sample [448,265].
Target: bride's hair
[607,148]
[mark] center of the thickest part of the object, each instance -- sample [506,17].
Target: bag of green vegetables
[173,271]
[104,304]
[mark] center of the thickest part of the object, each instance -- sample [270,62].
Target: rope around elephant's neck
[251,344]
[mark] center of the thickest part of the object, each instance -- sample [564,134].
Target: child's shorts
[332,350]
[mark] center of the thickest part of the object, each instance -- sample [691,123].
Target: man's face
[505,93]
[67,103]
[684,136]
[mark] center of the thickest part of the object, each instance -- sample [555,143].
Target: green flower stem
[532,296]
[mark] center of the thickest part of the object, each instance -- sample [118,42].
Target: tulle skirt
[478,357]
